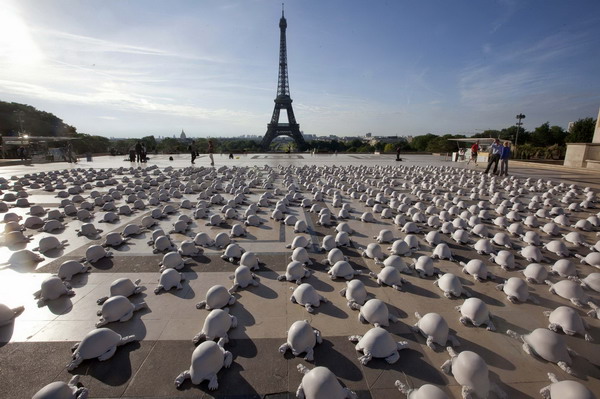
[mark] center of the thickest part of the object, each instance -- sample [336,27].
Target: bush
[582,131]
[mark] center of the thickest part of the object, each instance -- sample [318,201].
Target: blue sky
[140,67]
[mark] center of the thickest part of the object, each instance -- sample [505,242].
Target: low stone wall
[578,155]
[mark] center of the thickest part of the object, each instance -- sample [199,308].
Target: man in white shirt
[494,156]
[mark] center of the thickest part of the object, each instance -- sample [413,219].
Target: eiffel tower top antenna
[282,4]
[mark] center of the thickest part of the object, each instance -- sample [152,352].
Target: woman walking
[192,149]
[211,149]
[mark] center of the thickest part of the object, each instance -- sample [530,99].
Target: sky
[152,67]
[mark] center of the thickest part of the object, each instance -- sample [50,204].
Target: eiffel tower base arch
[276,130]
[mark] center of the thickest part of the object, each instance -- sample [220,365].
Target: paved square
[35,349]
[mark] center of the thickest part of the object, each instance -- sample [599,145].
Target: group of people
[138,153]
[194,152]
[498,153]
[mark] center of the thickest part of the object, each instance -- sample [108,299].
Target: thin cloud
[484,86]
[507,78]
[121,100]
[558,45]
[92,44]
[508,10]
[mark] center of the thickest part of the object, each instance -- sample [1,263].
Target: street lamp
[519,124]
[20,114]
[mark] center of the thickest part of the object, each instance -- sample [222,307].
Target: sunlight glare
[16,44]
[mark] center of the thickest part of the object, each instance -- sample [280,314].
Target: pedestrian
[21,153]
[231,155]
[474,151]
[143,157]
[132,154]
[138,151]
[211,149]
[504,156]
[70,152]
[192,149]
[461,154]
[398,154]
[494,156]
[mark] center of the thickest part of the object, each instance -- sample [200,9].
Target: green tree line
[16,118]
[544,141]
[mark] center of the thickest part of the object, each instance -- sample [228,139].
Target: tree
[442,144]
[546,136]
[169,145]
[150,143]
[558,134]
[540,137]
[420,143]
[582,131]
[236,145]
[122,147]
[329,146]
[487,134]
[92,144]
[402,143]
[390,147]
[510,133]
[379,146]
[15,117]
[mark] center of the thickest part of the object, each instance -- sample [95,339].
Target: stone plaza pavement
[35,350]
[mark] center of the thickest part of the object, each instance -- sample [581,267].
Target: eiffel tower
[283,100]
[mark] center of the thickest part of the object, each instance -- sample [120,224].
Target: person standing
[494,156]
[138,151]
[398,154]
[474,151]
[211,149]
[192,148]
[70,154]
[504,156]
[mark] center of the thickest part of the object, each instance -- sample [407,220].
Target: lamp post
[519,124]
[20,116]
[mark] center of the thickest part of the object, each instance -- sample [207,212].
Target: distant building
[571,124]
[182,136]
